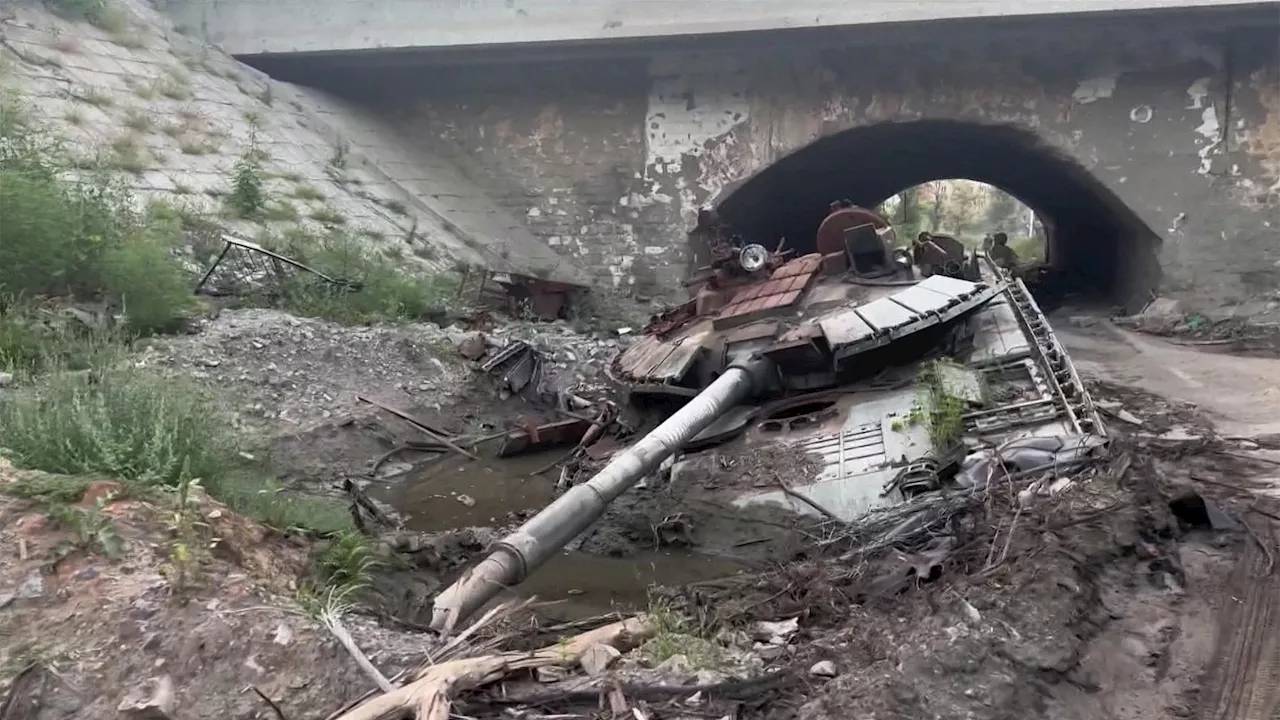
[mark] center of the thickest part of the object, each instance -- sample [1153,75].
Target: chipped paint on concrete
[1199,92]
[1094,89]
[1211,137]
[693,100]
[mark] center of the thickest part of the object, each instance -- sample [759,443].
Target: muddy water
[453,492]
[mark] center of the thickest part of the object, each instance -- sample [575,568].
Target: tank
[888,360]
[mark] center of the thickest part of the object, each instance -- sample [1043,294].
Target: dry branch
[430,695]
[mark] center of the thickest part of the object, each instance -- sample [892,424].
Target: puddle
[429,498]
[581,584]
[585,585]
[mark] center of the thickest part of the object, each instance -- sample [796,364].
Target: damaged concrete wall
[607,157]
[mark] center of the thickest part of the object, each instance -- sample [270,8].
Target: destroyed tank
[888,362]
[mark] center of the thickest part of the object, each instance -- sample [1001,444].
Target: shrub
[33,340]
[119,421]
[81,239]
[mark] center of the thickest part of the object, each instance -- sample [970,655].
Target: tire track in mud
[1243,682]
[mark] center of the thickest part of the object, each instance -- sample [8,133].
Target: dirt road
[1240,394]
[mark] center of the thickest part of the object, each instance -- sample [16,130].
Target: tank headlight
[753,257]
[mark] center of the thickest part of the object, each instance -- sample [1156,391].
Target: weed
[95,531]
[248,197]
[126,144]
[175,89]
[182,189]
[95,97]
[348,561]
[137,121]
[938,408]
[338,160]
[371,234]
[74,117]
[328,216]
[307,192]
[128,154]
[105,14]
[197,146]
[267,97]
[128,39]
[119,421]
[281,211]
[185,544]
[292,177]
[394,206]
[675,634]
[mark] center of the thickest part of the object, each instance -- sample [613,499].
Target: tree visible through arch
[1095,239]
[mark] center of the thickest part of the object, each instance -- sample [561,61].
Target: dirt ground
[292,383]
[97,628]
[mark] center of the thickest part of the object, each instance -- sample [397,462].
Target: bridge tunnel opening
[1096,248]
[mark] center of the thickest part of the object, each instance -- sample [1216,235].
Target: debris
[429,695]
[467,500]
[775,632]
[824,669]
[6,379]
[339,631]
[153,700]
[598,658]
[430,432]
[473,346]
[518,362]
[243,267]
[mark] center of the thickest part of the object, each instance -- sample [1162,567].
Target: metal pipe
[516,556]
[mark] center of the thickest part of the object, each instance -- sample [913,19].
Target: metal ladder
[1064,381]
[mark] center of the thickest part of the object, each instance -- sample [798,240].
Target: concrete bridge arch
[1094,236]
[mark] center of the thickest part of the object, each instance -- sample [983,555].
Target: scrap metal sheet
[677,363]
[640,359]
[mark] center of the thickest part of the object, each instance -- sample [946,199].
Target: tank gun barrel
[516,556]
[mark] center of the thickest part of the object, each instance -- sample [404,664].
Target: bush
[119,421]
[81,240]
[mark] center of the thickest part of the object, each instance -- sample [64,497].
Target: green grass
[119,421]
[246,493]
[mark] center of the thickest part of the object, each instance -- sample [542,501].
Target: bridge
[1145,132]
